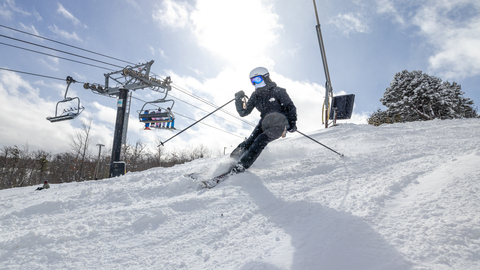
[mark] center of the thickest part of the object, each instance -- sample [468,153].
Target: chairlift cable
[65,44]
[176,113]
[59,57]
[207,111]
[46,47]
[35,74]
[213,105]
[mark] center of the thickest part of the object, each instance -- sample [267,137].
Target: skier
[277,115]
[45,186]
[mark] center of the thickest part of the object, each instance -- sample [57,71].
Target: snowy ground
[406,196]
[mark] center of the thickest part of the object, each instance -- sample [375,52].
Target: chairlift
[157,117]
[67,113]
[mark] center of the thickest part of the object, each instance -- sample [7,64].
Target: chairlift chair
[154,117]
[67,114]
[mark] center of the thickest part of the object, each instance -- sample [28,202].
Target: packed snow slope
[405,196]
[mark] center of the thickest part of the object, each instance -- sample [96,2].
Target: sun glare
[237,31]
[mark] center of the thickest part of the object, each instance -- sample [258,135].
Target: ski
[211,183]
[194,176]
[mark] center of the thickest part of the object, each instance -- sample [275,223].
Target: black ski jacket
[269,99]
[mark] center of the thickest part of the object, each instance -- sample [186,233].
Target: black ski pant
[257,141]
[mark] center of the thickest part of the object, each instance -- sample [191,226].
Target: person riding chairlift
[170,118]
[147,125]
[157,125]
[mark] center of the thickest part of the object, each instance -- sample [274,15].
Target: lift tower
[130,78]
[328,83]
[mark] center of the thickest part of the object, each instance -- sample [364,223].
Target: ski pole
[321,144]
[162,143]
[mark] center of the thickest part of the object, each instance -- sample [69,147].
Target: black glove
[239,95]
[292,127]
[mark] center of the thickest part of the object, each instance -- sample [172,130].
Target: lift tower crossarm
[131,78]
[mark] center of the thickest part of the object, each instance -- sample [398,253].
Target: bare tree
[200,152]
[11,157]
[134,155]
[160,152]
[80,143]
[20,167]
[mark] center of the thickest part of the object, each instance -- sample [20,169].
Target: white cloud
[79,77]
[49,65]
[19,98]
[107,113]
[8,6]
[199,73]
[11,4]
[133,3]
[64,33]
[162,53]
[450,27]
[37,15]
[30,29]
[172,14]
[5,12]
[350,23]
[154,51]
[456,40]
[388,7]
[65,13]
[292,52]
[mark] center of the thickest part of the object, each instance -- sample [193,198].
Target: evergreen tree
[419,96]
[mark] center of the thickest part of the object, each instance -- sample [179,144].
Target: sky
[208,48]
[405,197]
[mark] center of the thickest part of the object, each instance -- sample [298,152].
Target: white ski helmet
[259,77]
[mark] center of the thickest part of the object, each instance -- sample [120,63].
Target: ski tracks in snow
[443,205]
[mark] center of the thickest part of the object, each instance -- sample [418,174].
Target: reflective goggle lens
[256,80]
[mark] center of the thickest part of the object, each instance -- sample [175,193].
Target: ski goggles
[256,80]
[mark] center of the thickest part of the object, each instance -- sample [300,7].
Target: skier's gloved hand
[292,127]
[239,95]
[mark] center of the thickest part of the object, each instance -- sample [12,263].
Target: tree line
[20,167]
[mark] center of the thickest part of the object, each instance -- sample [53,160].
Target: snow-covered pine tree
[418,96]
[382,117]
